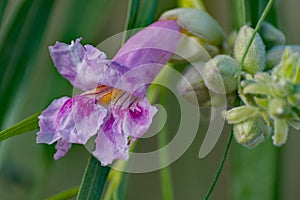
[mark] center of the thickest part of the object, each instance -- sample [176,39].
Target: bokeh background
[29,82]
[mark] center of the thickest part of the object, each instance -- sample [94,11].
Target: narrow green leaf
[3,4]
[18,48]
[240,13]
[28,124]
[165,173]
[65,195]
[140,14]
[94,180]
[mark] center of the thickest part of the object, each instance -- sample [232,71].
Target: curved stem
[219,170]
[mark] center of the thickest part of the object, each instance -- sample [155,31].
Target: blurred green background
[29,82]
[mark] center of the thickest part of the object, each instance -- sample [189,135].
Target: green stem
[165,173]
[65,194]
[259,23]
[219,170]
[240,10]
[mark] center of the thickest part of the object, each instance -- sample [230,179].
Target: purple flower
[112,110]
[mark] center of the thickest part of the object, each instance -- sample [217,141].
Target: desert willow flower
[112,111]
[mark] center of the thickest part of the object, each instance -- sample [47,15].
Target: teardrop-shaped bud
[192,86]
[221,74]
[274,55]
[281,129]
[271,35]
[279,108]
[255,59]
[240,114]
[289,67]
[252,132]
[199,25]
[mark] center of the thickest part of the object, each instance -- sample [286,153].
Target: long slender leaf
[28,124]
[165,173]
[93,181]
[65,195]
[3,4]
[19,46]
[140,14]
[240,10]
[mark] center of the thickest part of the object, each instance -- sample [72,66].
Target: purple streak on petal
[82,66]
[62,147]
[80,118]
[111,143]
[136,119]
[49,129]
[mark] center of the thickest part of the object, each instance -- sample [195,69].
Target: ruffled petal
[62,148]
[136,119]
[49,129]
[111,143]
[150,49]
[80,118]
[154,44]
[81,65]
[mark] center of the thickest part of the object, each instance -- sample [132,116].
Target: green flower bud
[240,114]
[252,132]
[281,129]
[217,100]
[294,99]
[255,59]
[198,23]
[274,55]
[279,108]
[282,88]
[289,67]
[220,74]
[192,87]
[271,35]
[231,40]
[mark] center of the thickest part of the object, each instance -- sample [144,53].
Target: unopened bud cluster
[272,102]
[270,76]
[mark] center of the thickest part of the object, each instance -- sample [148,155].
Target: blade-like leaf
[19,46]
[140,14]
[28,124]
[3,4]
[65,195]
[93,181]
